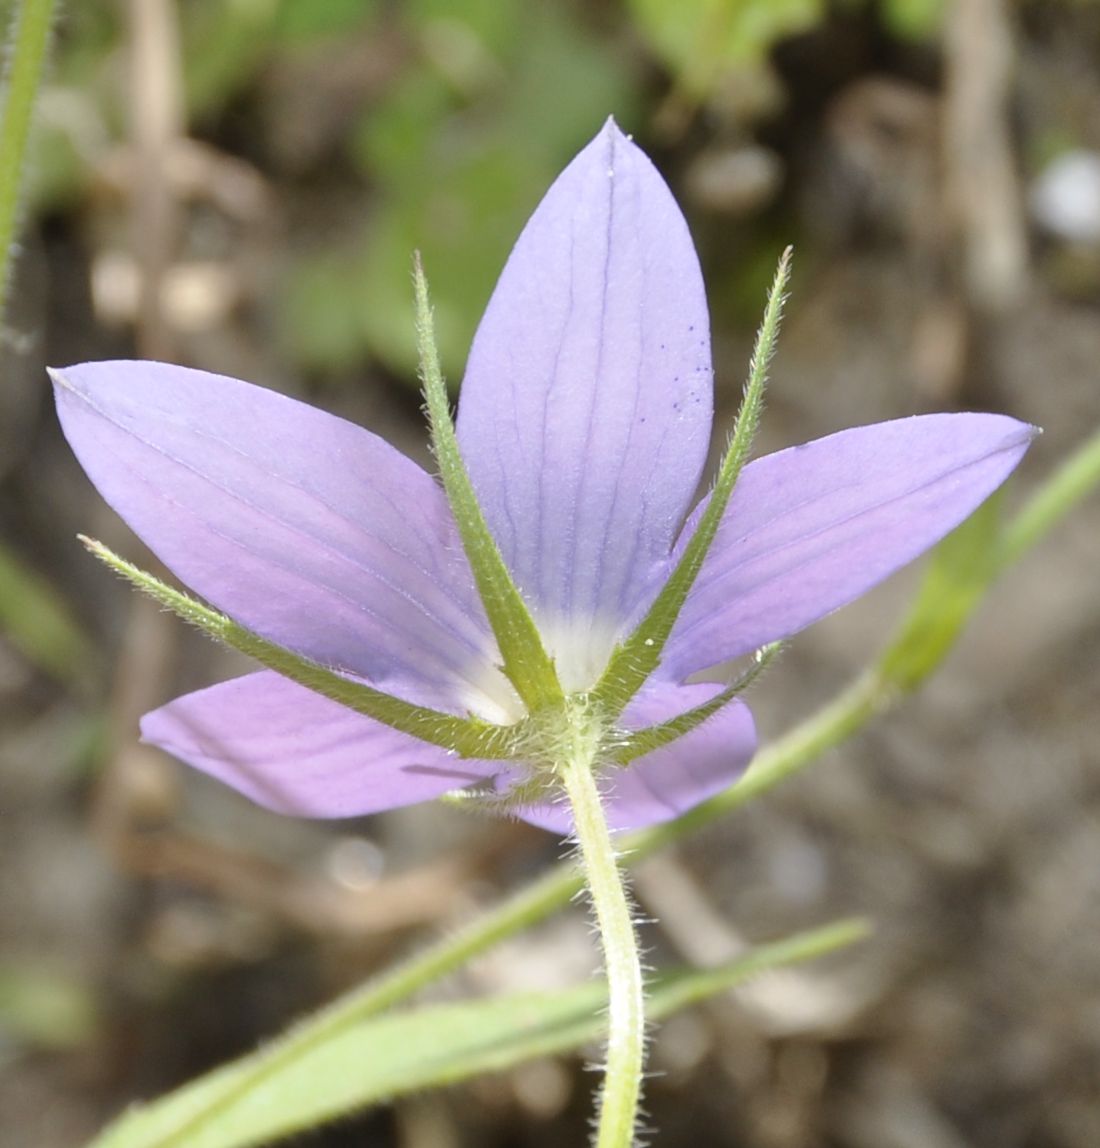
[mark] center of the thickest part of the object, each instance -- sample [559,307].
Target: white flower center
[490,695]
[580,649]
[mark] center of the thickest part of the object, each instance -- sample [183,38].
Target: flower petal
[301,526]
[669,781]
[295,752]
[810,528]
[586,408]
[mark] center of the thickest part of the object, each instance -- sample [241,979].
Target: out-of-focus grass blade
[955,581]
[37,622]
[397,1053]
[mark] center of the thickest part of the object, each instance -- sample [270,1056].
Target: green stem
[625,991]
[1074,479]
[30,38]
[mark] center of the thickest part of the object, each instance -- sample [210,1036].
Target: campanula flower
[584,424]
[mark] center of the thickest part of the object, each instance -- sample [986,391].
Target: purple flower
[584,424]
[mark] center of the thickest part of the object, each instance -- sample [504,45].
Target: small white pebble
[355,863]
[1065,198]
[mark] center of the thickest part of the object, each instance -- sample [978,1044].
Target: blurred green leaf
[77,113]
[567,81]
[700,40]
[225,43]
[464,226]
[457,173]
[913,19]
[37,622]
[393,138]
[59,171]
[300,21]
[43,1007]
[495,25]
[323,310]
[436,1045]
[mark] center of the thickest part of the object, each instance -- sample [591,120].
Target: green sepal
[526,663]
[467,737]
[638,655]
[654,737]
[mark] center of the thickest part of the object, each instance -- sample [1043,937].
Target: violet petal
[812,527]
[304,527]
[295,752]
[586,409]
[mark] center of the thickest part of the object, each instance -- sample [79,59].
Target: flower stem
[30,37]
[1076,477]
[626,1003]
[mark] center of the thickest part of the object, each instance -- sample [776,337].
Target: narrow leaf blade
[960,570]
[436,1045]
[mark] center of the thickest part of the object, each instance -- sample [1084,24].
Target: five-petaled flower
[584,423]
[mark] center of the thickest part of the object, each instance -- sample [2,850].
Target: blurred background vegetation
[239,185]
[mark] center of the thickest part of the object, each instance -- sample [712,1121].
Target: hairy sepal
[640,742]
[467,737]
[525,661]
[638,655]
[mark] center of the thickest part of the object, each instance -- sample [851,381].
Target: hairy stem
[626,1002]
